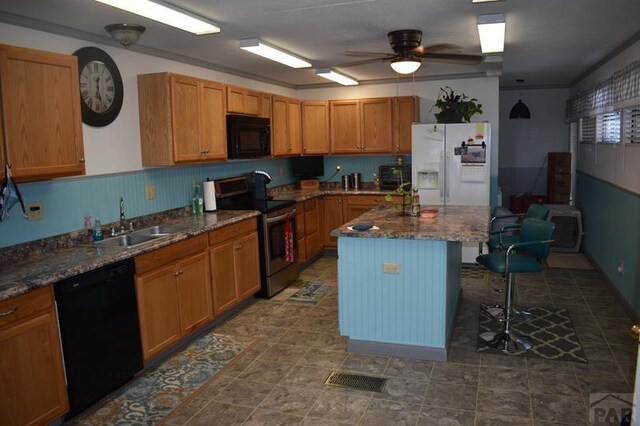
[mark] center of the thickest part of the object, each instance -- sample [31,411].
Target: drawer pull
[239,246]
[7,313]
[177,273]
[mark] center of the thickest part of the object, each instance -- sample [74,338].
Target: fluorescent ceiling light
[259,47]
[491,30]
[483,1]
[405,66]
[166,14]
[332,75]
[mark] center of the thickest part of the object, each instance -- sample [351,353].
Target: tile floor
[279,380]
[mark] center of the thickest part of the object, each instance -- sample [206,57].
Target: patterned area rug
[551,331]
[149,398]
[303,291]
[473,272]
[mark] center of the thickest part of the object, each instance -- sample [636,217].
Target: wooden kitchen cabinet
[345,126]
[40,114]
[313,240]
[182,119]
[243,101]
[286,126]
[406,111]
[300,232]
[174,293]
[333,218]
[356,205]
[33,387]
[235,264]
[265,107]
[377,129]
[315,128]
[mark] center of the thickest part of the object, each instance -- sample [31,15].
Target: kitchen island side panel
[454,284]
[408,307]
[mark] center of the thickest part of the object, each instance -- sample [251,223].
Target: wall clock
[101,90]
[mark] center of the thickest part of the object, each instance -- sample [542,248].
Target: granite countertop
[306,194]
[453,223]
[30,272]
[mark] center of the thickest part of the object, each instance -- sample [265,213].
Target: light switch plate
[391,268]
[150,191]
[34,211]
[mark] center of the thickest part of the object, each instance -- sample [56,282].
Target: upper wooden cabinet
[181,119]
[345,126]
[377,128]
[315,127]
[265,108]
[406,111]
[41,113]
[243,101]
[286,127]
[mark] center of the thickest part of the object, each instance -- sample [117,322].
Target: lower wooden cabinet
[356,205]
[300,231]
[33,388]
[333,218]
[174,293]
[313,240]
[235,265]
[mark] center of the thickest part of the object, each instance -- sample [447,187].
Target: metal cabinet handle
[179,272]
[239,246]
[236,229]
[81,159]
[636,329]
[7,313]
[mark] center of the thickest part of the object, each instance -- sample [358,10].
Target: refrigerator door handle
[441,177]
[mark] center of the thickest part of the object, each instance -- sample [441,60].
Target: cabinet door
[247,265]
[186,119]
[345,126]
[158,310]
[279,127]
[252,102]
[214,125]
[295,127]
[265,109]
[405,113]
[311,222]
[41,101]
[332,218]
[33,389]
[223,277]
[377,132]
[315,127]
[194,293]
[300,230]
[235,100]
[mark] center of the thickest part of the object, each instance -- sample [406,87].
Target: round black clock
[101,89]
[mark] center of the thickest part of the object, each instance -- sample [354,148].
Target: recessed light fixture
[491,30]
[259,47]
[332,75]
[166,14]
[405,65]
[483,1]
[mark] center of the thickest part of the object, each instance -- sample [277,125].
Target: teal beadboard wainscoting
[411,312]
[611,223]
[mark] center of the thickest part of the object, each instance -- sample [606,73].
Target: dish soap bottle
[197,203]
[97,231]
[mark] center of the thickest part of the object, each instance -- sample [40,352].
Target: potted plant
[404,189]
[455,108]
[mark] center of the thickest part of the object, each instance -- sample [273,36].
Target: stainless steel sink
[142,236]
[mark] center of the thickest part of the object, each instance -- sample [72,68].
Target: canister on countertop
[345,182]
[356,181]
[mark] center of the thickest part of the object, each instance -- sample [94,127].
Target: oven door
[274,228]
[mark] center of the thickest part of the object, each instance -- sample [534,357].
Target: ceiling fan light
[125,34]
[520,111]
[259,47]
[491,29]
[332,75]
[405,66]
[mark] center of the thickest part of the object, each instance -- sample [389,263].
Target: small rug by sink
[150,397]
[304,291]
[568,261]
[551,331]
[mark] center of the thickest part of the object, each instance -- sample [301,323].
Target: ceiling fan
[408,53]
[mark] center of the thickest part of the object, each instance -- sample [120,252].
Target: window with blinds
[608,127]
[587,130]
[631,125]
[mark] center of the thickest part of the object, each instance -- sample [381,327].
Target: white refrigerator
[451,165]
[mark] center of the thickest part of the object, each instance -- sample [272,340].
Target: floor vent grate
[356,381]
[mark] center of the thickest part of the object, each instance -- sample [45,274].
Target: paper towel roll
[209,196]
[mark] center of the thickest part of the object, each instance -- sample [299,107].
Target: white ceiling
[548,42]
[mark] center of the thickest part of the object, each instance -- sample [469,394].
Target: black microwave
[248,137]
[389,180]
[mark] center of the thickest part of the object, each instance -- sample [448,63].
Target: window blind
[587,133]
[631,124]
[608,127]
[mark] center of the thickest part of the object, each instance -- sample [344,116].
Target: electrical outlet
[150,191]
[34,211]
[391,268]
[621,268]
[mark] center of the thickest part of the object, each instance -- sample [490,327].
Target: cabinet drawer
[165,255]
[20,307]
[310,216]
[365,200]
[300,219]
[231,231]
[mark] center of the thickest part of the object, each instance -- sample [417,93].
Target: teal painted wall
[611,223]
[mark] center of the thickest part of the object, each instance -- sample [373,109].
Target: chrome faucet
[123,219]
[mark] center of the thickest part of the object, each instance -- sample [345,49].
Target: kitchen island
[399,285]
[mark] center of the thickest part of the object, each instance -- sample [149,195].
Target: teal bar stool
[506,236]
[525,256]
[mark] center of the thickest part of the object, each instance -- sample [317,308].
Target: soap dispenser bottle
[197,203]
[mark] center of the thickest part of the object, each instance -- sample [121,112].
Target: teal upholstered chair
[500,240]
[524,256]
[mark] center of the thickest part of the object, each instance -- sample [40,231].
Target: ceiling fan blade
[452,57]
[376,54]
[364,61]
[435,48]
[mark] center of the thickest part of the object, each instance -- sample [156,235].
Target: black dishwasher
[98,318]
